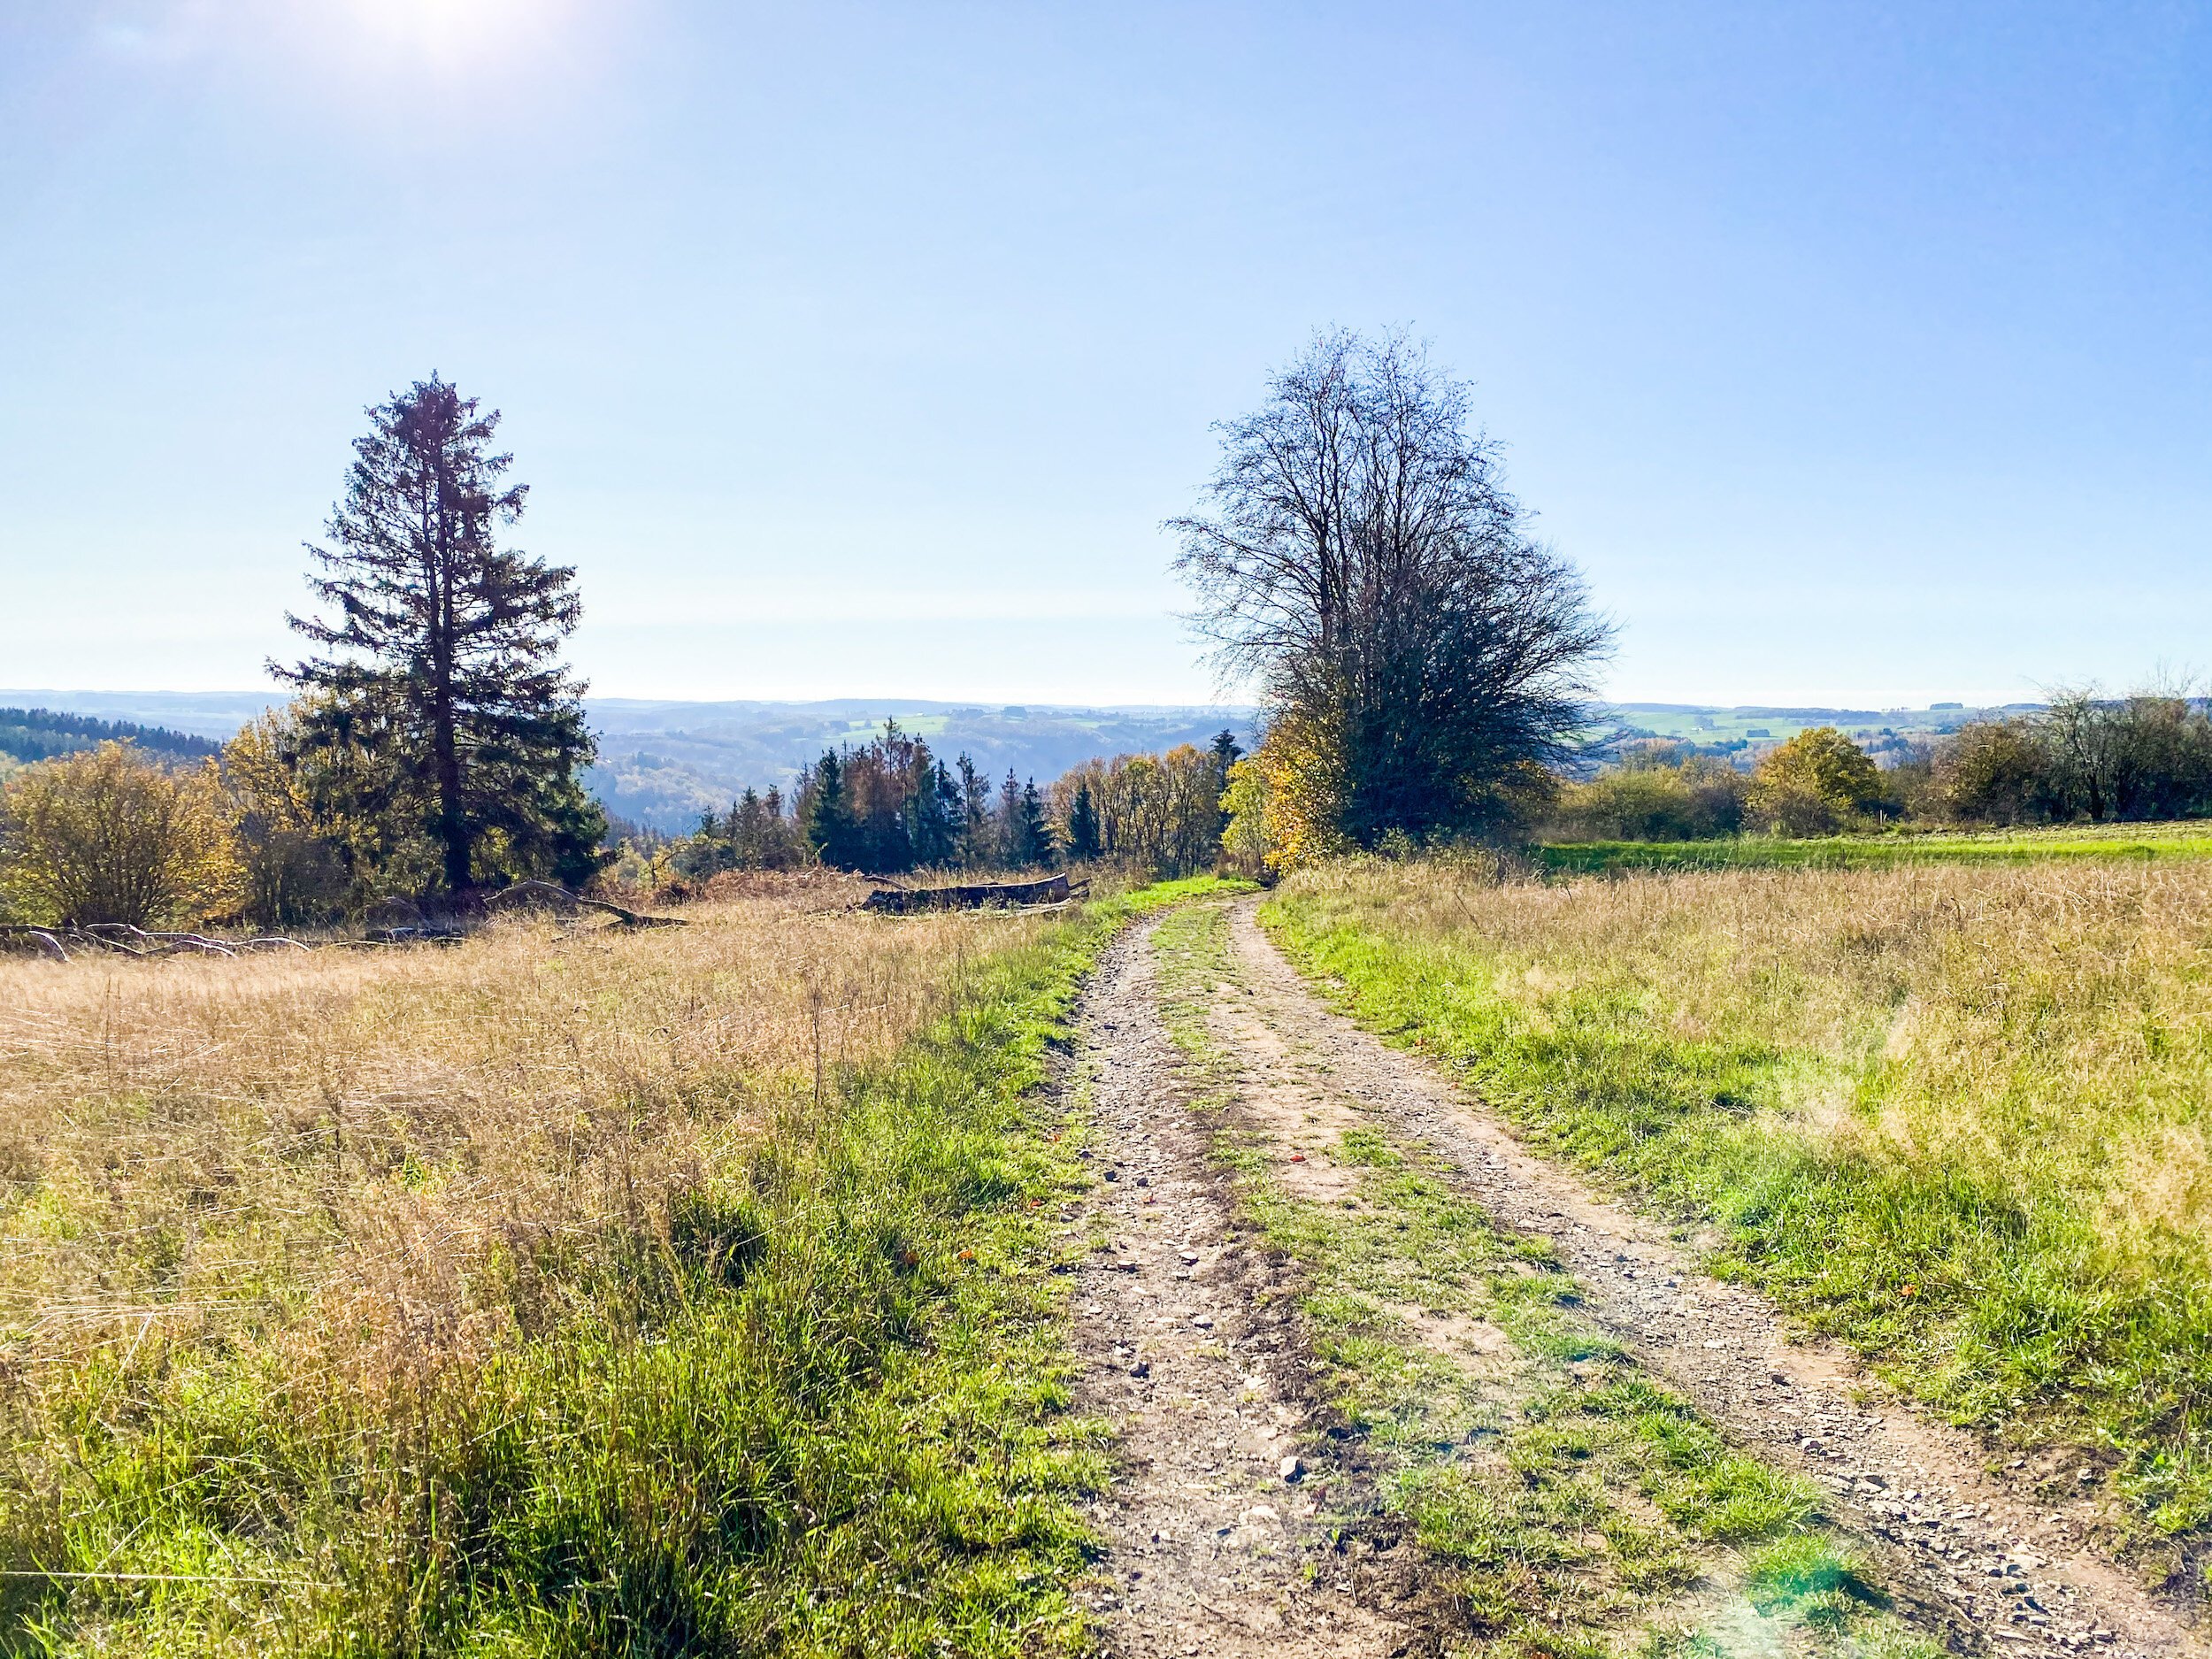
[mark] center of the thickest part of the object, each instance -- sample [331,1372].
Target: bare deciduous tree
[1361,561]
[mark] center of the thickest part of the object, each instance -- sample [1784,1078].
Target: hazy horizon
[123,696]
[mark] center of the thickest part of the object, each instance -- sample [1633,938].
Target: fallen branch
[558,897]
[157,944]
[39,936]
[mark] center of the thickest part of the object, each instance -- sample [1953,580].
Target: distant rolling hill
[661,764]
[36,734]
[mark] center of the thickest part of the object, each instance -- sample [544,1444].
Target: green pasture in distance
[2192,839]
[1690,723]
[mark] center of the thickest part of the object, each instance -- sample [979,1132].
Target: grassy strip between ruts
[1954,1117]
[838,1424]
[2146,842]
[1581,1505]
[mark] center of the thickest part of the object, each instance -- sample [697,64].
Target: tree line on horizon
[30,736]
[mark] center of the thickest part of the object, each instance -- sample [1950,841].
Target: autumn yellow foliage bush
[1285,801]
[110,835]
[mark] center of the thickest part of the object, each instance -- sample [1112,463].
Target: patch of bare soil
[1227,1519]
[1987,1561]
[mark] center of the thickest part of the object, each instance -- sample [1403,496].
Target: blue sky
[1858,354]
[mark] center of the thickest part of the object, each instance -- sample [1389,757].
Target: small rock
[1203,1321]
[1142,1368]
[1191,1256]
[1144,1180]
[1293,1467]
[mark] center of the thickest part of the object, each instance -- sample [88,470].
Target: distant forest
[36,735]
[891,805]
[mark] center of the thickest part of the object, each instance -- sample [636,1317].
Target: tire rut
[1189,1348]
[1966,1551]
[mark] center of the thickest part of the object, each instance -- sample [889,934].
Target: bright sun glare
[453,33]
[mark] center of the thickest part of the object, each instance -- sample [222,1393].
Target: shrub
[1286,800]
[2145,756]
[1994,771]
[1693,799]
[1818,783]
[291,870]
[110,835]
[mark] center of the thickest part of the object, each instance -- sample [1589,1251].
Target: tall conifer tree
[1006,821]
[828,815]
[1082,824]
[1031,838]
[445,646]
[976,850]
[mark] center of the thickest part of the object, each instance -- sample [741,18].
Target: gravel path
[1218,1544]
[1975,1555]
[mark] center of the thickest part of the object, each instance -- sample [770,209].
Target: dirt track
[1192,1349]
[1189,1349]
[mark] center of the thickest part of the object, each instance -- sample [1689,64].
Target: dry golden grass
[1958,1111]
[2034,1023]
[366,1161]
[559,1293]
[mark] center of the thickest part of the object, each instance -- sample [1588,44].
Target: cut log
[900,901]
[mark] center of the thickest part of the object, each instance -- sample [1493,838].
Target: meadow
[2146,842]
[562,1292]
[1952,1112]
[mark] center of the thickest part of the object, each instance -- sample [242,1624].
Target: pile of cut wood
[980,895]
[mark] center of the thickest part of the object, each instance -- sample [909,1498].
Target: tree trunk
[453,830]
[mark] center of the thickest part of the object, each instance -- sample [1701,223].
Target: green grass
[1573,1500]
[828,1414]
[1956,1118]
[2146,842]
